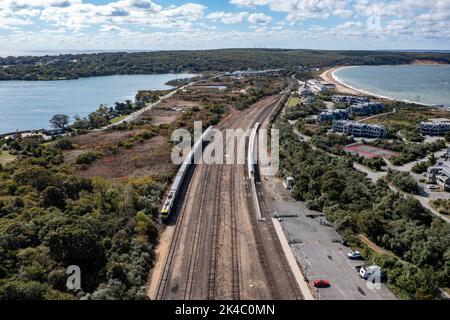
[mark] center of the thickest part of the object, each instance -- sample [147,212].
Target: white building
[316,87]
[331,115]
[440,174]
[357,129]
[349,99]
[365,108]
[434,128]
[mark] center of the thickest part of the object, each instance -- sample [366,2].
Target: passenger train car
[180,179]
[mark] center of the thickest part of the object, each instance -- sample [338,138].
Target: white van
[368,271]
[288,183]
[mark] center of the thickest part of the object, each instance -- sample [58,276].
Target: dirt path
[372,245]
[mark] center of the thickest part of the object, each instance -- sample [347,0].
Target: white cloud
[302,9]
[77,14]
[228,17]
[110,28]
[401,21]
[259,19]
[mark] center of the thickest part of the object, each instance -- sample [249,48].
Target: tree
[59,121]
[53,197]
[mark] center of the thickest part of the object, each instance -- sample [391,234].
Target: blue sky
[200,24]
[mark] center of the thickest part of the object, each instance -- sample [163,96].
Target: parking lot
[317,249]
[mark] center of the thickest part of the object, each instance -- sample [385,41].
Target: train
[169,206]
[252,161]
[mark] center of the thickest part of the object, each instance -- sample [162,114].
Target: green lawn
[5,157]
[293,101]
[117,119]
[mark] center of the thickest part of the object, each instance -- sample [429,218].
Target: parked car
[354,255]
[432,187]
[344,243]
[321,283]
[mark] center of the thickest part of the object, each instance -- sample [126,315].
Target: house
[329,86]
[365,108]
[358,129]
[315,86]
[54,132]
[304,92]
[446,155]
[434,128]
[309,100]
[331,115]
[440,174]
[349,99]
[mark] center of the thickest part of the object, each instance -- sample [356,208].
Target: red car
[321,283]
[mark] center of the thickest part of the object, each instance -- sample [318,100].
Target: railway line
[218,250]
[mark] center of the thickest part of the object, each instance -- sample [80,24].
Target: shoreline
[130,96]
[329,75]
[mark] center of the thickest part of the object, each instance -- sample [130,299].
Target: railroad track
[197,232]
[199,271]
[286,267]
[173,244]
[235,289]
[214,250]
[263,259]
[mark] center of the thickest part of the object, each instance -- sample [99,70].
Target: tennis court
[370,151]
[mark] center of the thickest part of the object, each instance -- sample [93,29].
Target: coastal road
[217,248]
[135,115]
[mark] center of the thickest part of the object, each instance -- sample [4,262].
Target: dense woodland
[50,219]
[420,261]
[84,65]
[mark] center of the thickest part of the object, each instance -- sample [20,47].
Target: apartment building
[331,115]
[440,174]
[434,128]
[365,108]
[357,129]
[349,99]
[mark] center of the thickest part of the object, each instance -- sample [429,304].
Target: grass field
[409,117]
[117,119]
[5,157]
[293,101]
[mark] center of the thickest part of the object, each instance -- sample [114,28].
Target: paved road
[316,250]
[425,201]
[135,115]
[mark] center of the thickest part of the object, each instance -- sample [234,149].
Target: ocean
[427,84]
[29,105]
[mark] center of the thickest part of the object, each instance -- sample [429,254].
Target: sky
[76,25]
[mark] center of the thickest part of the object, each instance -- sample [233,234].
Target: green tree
[59,121]
[53,196]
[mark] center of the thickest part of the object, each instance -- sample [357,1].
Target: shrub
[64,144]
[86,158]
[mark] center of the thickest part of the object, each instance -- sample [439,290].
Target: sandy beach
[340,87]
[329,76]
